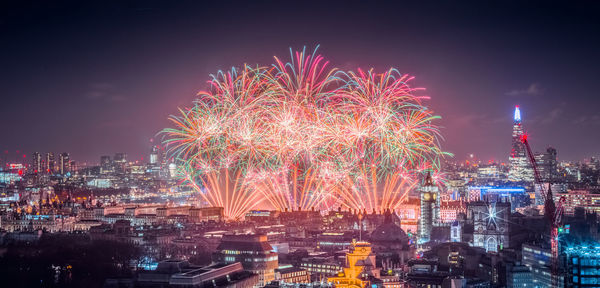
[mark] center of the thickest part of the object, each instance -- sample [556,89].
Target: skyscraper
[50,163]
[520,168]
[36,163]
[64,163]
[120,162]
[154,154]
[106,164]
[549,165]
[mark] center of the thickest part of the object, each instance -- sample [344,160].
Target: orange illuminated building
[359,269]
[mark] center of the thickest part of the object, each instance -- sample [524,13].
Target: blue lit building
[583,266]
[517,196]
[538,260]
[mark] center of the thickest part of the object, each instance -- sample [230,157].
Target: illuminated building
[547,165]
[206,214]
[517,196]
[36,163]
[105,164]
[49,223]
[520,168]
[490,224]
[450,210]
[518,276]
[429,197]
[537,259]
[409,212]
[253,251]
[488,173]
[583,266]
[64,164]
[154,155]
[332,241]
[292,275]
[360,267]
[120,162]
[261,216]
[578,198]
[320,267]
[50,163]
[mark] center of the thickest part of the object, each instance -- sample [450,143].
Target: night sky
[100,77]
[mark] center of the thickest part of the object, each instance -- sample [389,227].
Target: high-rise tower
[520,168]
[50,163]
[429,198]
[65,163]
[36,163]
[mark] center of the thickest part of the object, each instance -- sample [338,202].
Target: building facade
[253,251]
[490,224]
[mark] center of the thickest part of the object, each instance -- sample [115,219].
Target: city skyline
[78,100]
[286,144]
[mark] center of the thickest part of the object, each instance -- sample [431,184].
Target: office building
[253,251]
[50,163]
[64,163]
[36,163]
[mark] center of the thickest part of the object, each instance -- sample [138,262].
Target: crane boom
[552,212]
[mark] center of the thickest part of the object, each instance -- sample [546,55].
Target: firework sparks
[300,135]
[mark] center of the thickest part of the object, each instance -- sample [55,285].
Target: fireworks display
[302,135]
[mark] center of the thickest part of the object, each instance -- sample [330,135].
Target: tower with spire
[519,169]
[429,199]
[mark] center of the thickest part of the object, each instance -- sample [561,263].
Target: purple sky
[93,79]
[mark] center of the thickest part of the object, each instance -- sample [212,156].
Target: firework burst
[301,135]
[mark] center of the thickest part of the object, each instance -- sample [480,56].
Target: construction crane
[552,212]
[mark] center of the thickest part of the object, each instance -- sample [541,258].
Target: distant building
[292,275]
[105,164]
[120,162]
[36,163]
[253,251]
[50,163]
[548,165]
[64,164]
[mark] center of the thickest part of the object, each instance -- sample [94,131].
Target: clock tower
[429,199]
